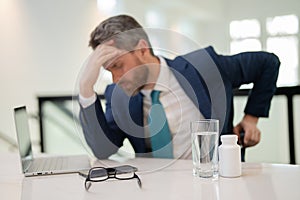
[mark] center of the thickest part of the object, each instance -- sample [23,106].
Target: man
[194,86]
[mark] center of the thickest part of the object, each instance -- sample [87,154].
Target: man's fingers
[106,55]
[247,138]
[110,58]
[251,133]
[257,137]
[237,131]
[251,138]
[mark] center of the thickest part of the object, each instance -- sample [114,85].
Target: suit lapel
[192,83]
[136,109]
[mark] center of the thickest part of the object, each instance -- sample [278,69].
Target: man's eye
[117,66]
[114,67]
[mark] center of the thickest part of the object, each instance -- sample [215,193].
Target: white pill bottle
[230,157]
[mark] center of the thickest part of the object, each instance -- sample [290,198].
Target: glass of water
[205,134]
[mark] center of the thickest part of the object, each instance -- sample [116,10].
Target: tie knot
[155,96]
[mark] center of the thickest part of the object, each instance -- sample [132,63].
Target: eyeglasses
[98,174]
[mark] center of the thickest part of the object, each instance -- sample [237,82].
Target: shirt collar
[162,83]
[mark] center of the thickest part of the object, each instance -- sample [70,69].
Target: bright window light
[279,25]
[282,39]
[238,46]
[286,48]
[244,29]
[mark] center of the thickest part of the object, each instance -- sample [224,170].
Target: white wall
[44,43]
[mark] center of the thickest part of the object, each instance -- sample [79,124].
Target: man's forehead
[117,59]
[109,63]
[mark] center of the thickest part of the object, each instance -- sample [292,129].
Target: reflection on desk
[161,178]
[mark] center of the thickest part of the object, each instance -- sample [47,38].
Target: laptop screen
[23,135]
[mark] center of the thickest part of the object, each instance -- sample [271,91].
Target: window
[245,36]
[283,41]
[280,38]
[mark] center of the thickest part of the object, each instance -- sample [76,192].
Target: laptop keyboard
[49,164]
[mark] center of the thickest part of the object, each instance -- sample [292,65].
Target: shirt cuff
[86,102]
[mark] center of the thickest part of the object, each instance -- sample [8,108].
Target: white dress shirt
[179,109]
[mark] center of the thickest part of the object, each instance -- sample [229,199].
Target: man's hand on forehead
[108,53]
[102,56]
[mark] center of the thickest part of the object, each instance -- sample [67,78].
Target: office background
[44,45]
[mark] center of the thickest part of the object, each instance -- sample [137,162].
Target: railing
[8,140]
[57,102]
[289,92]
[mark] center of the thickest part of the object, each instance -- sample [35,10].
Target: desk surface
[162,179]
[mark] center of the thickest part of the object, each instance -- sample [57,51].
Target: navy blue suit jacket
[207,78]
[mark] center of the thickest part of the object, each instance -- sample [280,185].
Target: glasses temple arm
[138,180]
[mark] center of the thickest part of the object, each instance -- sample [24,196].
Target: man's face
[129,72]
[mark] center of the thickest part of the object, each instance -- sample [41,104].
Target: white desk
[162,179]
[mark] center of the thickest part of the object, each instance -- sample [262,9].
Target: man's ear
[142,46]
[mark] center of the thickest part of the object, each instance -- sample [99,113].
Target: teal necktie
[160,136]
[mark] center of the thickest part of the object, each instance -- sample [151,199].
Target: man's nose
[118,75]
[116,78]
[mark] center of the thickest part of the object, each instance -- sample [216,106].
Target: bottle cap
[229,139]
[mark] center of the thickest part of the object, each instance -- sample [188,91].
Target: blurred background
[43,45]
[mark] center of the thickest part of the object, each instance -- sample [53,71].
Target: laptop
[32,166]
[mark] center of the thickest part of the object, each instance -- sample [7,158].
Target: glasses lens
[124,175]
[125,172]
[98,174]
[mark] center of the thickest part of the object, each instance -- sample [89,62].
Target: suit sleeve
[260,68]
[101,135]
